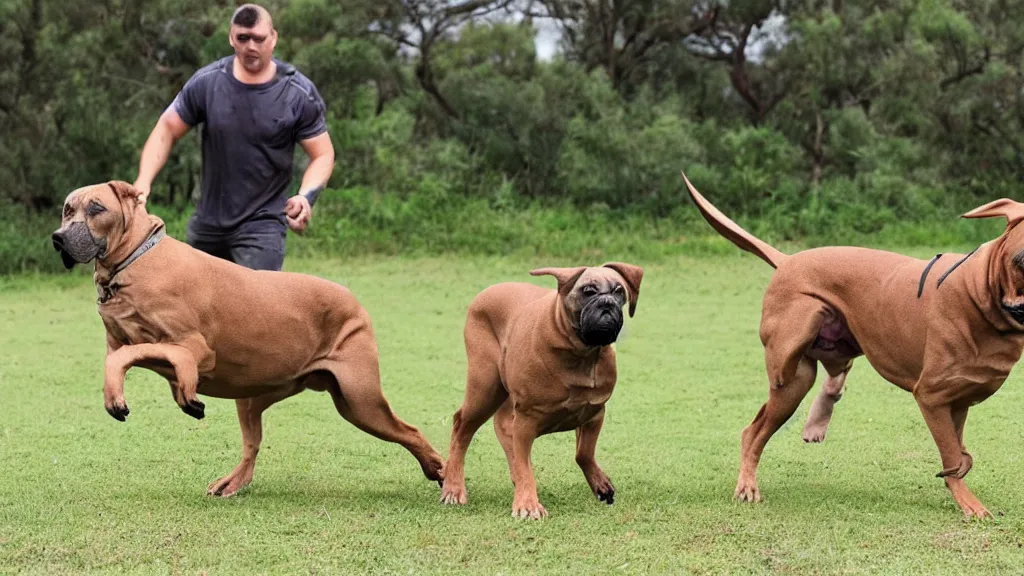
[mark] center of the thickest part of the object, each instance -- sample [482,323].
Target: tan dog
[541,361]
[216,328]
[949,331]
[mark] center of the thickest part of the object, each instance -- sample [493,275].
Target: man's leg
[259,246]
[217,247]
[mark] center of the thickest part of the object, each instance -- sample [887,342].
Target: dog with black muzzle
[213,327]
[541,361]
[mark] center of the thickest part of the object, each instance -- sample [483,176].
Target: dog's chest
[570,418]
[583,397]
[126,325]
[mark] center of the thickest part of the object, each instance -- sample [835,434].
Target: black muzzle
[76,245]
[600,321]
[1015,312]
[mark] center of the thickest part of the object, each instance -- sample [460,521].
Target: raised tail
[732,230]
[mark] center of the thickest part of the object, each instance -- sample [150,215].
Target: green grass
[81,492]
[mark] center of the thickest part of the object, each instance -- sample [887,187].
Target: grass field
[81,492]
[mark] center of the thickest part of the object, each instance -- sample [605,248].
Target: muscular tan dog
[216,328]
[948,330]
[541,361]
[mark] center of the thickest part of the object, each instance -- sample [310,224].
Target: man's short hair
[246,16]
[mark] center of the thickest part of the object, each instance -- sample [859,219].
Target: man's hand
[143,189]
[298,212]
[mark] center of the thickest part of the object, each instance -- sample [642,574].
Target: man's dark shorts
[257,244]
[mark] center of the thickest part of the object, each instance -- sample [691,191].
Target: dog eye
[589,290]
[68,211]
[95,209]
[619,289]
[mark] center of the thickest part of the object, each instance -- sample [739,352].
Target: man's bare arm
[321,155]
[299,208]
[169,128]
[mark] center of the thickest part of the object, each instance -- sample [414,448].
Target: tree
[621,36]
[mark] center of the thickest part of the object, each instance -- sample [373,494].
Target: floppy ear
[128,196]
[566,277]
[124,190]
[1004,207]
[633,275]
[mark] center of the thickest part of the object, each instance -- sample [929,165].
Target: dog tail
[732,231]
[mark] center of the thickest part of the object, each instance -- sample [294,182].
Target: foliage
[820,118]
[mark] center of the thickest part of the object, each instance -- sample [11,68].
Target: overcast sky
[773,31]
[546,40]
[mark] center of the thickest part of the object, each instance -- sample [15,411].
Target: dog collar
[928,268]
[142,249]
[109,288]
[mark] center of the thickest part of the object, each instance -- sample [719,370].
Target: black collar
[928,268]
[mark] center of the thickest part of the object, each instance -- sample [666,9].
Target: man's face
[254,46]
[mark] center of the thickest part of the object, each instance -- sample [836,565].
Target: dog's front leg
[586,446]
[946,425]
[185,381]
[525,504]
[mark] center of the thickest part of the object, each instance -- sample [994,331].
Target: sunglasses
[244,38]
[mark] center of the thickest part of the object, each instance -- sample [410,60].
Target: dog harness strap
[948,272]
[924,275]
[142,249]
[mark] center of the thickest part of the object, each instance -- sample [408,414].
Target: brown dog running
[949,331]
[541,361]
[216,328]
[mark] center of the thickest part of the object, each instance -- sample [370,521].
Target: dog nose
[58,241]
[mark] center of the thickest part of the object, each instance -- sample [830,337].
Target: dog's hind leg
[484,395]
[359,398]
[786,333]
[831,392]
[250,419]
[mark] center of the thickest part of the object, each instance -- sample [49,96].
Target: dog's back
[286,318]
[495,307]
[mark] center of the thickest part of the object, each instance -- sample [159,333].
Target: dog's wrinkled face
[92,219]
[595,305]
[593,298]
[1011,254]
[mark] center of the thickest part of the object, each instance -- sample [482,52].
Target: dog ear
[1004,207]
[566,277]
[632,275]
[128,196]
[124,190]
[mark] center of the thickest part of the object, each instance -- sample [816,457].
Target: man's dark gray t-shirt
[249,137]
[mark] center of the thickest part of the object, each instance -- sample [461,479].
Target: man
[253,108]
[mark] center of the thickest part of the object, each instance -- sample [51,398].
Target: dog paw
[453,495]
[433,469]
[118,411]
[747,492]
[229,485]
[979,514]
[973,508]
[814,436]
[194,408]
[603,488]
[529,508]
